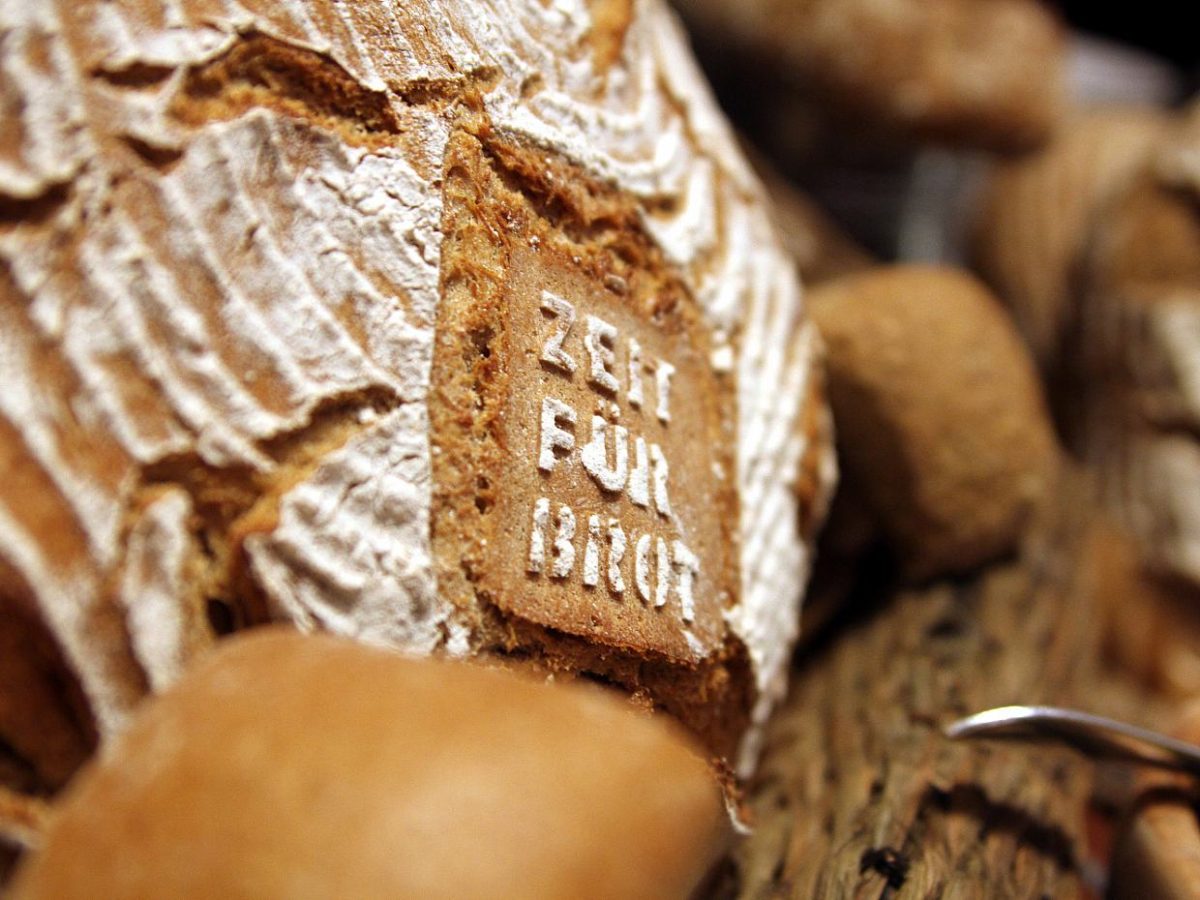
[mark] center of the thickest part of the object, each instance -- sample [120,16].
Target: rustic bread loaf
[1149,625]
[1135,362]
[455,327]
[350,772]
[1037,211]
[942,427]
[22,821]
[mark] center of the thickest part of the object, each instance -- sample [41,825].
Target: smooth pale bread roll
[942,428]
[286,766]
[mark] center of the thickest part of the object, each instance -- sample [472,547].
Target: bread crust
[222,266]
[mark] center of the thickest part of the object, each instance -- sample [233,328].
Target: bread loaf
[22,820]
[1037,212]
[942,426]
[1150,626]
[350,772]
[1137,351]
[454,327]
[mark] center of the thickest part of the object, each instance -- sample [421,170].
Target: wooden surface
[859,795]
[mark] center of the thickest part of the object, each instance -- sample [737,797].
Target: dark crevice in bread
[232,502]
[260,70]
[46,732]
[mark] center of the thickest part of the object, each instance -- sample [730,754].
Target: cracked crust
[221,270]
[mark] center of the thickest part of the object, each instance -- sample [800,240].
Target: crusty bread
[1135,361]
[942,425]
[1037,211]
[350,772]
[1149,625]
[282,289]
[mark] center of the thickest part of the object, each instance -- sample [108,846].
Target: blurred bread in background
[941,423]
[979,73]
[1036,212]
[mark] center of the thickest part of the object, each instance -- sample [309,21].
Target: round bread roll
[941,423]
[455,327]
[346,771]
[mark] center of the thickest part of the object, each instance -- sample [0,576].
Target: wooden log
[860,795]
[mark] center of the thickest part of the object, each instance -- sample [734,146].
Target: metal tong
[1094,736]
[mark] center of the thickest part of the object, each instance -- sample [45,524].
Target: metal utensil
[1094,736]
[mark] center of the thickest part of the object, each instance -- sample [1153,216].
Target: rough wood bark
[860,795]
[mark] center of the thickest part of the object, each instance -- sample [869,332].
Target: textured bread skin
[351,772]
[943,428]
[222,273]
[1160,645]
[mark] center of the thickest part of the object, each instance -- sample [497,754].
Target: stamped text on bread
[635,466]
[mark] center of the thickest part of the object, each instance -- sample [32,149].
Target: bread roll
[1150,625]
[349,772]
[454,327]
[979,73]
[942,426]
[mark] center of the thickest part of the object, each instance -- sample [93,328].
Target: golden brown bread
[1150,625]
[942,428]
[237,246]
[22,821]
[291,766]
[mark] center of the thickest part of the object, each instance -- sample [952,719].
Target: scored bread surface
[274,333]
